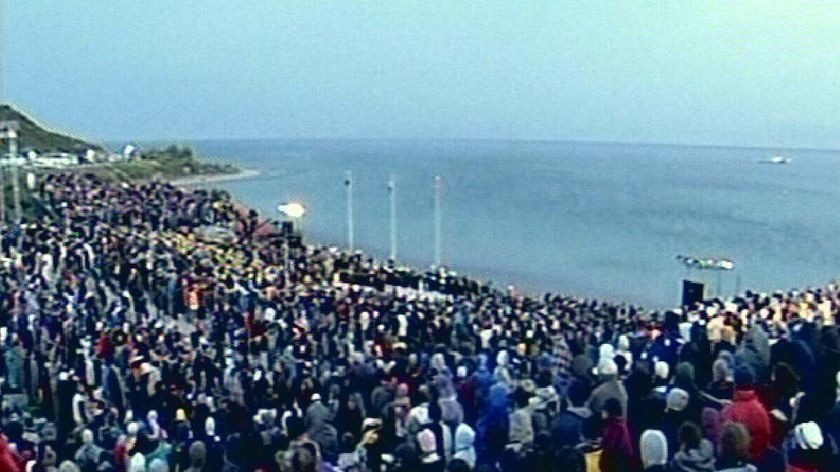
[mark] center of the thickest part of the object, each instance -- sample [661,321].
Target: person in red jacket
[9,461]
[617,450]
[747,410]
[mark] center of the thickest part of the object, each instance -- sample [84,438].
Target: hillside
[33,136]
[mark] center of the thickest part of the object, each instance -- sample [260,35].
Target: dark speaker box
[692,292]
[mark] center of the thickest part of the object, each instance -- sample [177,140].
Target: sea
[596,220]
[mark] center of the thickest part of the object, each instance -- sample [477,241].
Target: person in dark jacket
[721,386]
[695,453]
[734,450]
[568,428]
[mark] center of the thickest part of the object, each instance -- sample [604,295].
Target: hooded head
[623,343]
[198,455]
[684,374]
[734,443]
[158,465]
[137,463]
[677,399]
[661,370]
[608,369]
[68,466]
[464,440]
[653,447]
[427,441]
[744,377]
[438,362]
[606,352]
[710,419]
[808,436]
[720,370]
[464,437]
[502,358]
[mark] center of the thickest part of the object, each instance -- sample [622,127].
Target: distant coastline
[199,180]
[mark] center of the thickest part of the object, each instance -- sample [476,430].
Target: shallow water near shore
[590,219]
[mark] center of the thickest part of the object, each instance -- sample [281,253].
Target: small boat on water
[778,160]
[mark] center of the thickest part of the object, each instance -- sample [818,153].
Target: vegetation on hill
[170,163]
[32,135]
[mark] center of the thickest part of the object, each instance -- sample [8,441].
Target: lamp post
[392,200]
[438,231]
[294,211]
[709,263]
[348,184]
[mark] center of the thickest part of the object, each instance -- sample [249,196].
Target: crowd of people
[134,340]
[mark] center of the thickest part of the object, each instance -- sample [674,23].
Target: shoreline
[197,180]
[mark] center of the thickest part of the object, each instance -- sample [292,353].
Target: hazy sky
[744,73]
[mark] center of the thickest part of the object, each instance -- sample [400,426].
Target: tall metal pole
[2,194]
[392,197]
[348,183]
[3,95]
[437,220]
[12,136]
[16,195]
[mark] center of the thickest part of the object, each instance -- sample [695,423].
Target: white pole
[286,263]
[11,135]
[348,183]
[16,195]
[392,196]
[437,221]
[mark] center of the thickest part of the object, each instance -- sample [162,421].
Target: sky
[746,73]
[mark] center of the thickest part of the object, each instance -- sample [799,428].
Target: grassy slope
[34,136]
[170,163]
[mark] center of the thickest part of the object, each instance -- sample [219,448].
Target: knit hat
[744,377]
[661,370]
[653,447]
[677,399]
[808,435]
[427,441]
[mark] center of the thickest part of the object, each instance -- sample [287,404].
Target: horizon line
[514,140]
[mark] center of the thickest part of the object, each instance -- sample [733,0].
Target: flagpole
[437,220]
[348,183]
[2,194]
[392,196]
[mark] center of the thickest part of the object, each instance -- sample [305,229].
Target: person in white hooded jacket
[464,445]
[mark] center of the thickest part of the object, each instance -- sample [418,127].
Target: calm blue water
[599,220]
